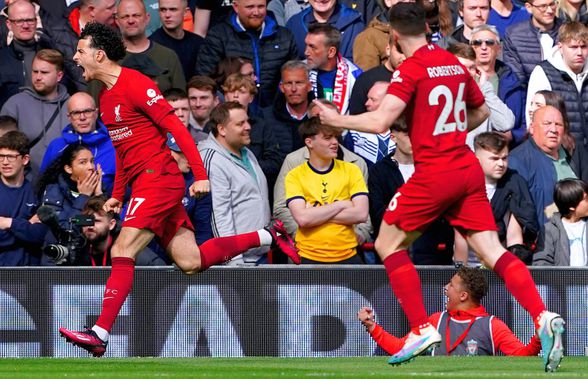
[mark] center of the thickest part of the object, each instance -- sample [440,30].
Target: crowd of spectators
[242,75]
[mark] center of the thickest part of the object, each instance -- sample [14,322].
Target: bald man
[371,147]
[85,128]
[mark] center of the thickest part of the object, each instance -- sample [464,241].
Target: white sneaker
[551,328]
[416,344]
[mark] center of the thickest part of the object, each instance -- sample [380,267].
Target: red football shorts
[156,204]
[457,195]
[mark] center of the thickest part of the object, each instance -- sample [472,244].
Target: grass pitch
[267,367]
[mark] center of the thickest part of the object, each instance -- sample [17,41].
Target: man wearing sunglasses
[529,42]
[84,127]
[509,88]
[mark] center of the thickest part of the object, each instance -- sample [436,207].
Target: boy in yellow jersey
[327,197]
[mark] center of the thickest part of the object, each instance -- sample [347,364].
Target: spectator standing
[573,11]
[132,19]
[20,237]
[347,21]
[41,110]
[209,13]
[172,35]
[473,13]
[203,97]
[283,10]
[326,197]
[505,83]
[565,72]
[250,33]
[16,59]
[365,81]
[85,128]
[178,99]
[332,76]
[504,13]
[238,185]
[290,108]
[527,43]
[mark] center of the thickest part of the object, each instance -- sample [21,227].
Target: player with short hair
[465,326]
[441,101]
[138,120]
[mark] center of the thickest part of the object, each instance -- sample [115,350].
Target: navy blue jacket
[285,128]
[513,92]
[62,199]
[98,141]
[268,51]
[199,210]
[346,20]
[538,170]
[20,245]
[522,49]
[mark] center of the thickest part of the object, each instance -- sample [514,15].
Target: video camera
[70,241]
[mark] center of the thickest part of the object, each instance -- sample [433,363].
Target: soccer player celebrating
[441,101]
[138,120]
[466,327]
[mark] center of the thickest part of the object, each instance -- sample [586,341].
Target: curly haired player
[138,119]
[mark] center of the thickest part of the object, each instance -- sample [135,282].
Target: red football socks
[519,283]
[221,249]
[406,285]
[118,287]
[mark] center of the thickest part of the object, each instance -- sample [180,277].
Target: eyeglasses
[544,7]
[22,21]
[86,112]
[9,157]
[480,42]
[291,85]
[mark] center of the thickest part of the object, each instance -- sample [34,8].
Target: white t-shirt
[576,232]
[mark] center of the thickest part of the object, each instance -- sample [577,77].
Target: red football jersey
[132,110]
[437,90]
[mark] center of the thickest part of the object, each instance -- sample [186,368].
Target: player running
[441,102]
[138,120]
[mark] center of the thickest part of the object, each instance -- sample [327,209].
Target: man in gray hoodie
[41,110]
[240,201]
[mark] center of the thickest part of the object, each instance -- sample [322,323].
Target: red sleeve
[389,343]
[403,81]
[506,341]
[120,181]
[173,125]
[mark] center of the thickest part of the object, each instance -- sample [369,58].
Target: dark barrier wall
[269,311]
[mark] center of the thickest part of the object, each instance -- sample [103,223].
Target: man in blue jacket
[348,21]
[20,238]
[87,129]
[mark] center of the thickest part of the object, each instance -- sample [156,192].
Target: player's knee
[190,267]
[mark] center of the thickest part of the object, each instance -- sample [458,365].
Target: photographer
[66,186]
[100,237]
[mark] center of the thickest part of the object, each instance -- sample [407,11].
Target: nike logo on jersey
[128,218]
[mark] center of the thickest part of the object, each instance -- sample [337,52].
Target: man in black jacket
[290,107]
[250,33]
[16,59]
[509,196]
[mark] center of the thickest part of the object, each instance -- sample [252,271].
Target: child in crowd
[565,233]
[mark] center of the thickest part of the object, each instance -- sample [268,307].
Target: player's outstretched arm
[389,343]
[378,121]
[476,116]
[508,343]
